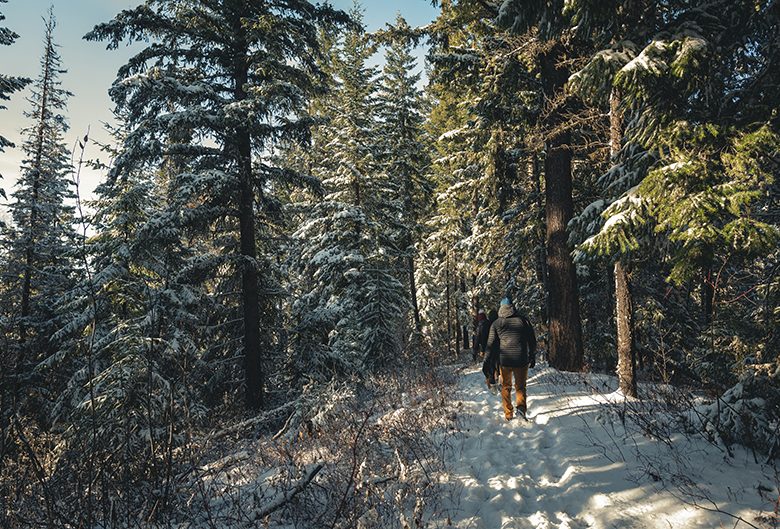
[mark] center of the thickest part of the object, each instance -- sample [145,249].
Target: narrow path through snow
[567,467]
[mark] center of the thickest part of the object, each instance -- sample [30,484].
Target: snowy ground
[573,465]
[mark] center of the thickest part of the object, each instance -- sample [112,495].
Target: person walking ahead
[517,352]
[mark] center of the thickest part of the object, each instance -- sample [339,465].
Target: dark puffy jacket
[515,338]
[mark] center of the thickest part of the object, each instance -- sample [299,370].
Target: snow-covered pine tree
[40,261]
[128,378]
[614,33]
[403,150]
[243,74]
[486,164]
[710,112]
[691,116]
[462,182]
[351,298]
[548,25]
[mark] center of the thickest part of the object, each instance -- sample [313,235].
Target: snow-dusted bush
[351,456]
[748,413]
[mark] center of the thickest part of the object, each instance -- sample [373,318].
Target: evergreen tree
[615,32]
[489,97]
[238,76]
[128,379]
[8,85]
[548,23]
[691,116]
[403,151]
[351,298]
[463,172]
[40,265]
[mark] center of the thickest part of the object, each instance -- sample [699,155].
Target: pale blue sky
[92,69]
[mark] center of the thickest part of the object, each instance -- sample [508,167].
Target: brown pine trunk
[249,289]
[565,332]
[413,294]
[449,307]
[541,255]
[707,295]
[464,324]
[458,326]
[624,301]
[624,308]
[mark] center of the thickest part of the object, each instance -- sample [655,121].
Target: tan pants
[520,374]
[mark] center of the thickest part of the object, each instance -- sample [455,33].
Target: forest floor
[588,458]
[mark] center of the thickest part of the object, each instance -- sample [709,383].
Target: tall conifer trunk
[249,290]
[624,301]
[449,306]
[707,295]
[541,254]
[565,344]
[624,315]
[413,294]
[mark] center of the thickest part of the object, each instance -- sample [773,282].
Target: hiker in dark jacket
[517,353]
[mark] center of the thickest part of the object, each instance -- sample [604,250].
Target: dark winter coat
[514,337]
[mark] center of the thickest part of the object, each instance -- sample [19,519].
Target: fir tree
[128,376]
[487,103]
[675,173]
[238,76]
[547,20]
[351,299]
[8,85]
[40,264]
[403,152]
[460,172]
[595,85]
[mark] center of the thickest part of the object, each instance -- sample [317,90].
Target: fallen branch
[248,422]
[287,496]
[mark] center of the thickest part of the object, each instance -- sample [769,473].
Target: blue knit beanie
[505,301]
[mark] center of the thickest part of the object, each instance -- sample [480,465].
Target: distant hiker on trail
[517,353]
[490,365]
[481,330]
[476,347]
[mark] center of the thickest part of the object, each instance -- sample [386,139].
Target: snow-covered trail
[568,466]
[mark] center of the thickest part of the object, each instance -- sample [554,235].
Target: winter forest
[269,311]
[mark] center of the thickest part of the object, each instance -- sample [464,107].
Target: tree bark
[624,301]
[458,326]
[413,294]
[249,288]
[464,325]
[565,332]
[707,295]
[541,254]
[449,306]
[626,368]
